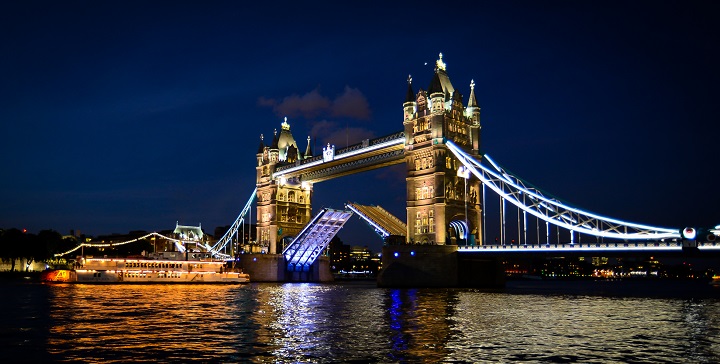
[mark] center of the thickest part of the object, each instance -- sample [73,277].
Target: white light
[689,233]
[463,172]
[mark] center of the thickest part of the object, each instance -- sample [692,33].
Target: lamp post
[464,173]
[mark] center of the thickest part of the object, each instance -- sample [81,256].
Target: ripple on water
[341,323]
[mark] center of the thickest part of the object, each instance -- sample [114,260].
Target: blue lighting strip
[461,228]
[220,245]
[510,188]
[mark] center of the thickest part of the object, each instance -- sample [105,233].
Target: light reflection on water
[351,322]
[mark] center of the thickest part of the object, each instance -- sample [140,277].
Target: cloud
[338,134]
[321,129]
[350,104]
[263,101]
[309,105]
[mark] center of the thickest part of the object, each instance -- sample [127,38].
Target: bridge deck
[383,221]
[302,252]
[650,246]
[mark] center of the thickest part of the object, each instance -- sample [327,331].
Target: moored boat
[715,281]
[168,267]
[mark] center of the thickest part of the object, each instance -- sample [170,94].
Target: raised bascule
[442,241]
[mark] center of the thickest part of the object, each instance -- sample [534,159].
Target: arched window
[418,225]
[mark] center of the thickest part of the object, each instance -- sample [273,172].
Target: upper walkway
[367,155]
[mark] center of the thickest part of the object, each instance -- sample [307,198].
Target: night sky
[132,115]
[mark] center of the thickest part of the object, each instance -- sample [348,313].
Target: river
[583,322]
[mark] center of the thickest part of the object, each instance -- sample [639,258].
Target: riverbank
[20,276]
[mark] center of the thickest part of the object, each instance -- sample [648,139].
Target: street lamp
[464,172]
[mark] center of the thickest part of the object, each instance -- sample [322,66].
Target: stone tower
[283,205]
[437,195]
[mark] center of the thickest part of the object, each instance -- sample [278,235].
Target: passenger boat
[167,267]
[715,281]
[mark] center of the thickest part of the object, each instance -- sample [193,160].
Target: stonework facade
[283,206]
[443,204]
[437,195]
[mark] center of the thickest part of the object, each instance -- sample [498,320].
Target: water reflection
[419,323]
[315,323]
[120,323]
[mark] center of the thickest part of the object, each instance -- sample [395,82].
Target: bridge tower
[437,195]
[283,205]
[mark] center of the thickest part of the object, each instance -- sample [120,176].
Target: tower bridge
[447,184]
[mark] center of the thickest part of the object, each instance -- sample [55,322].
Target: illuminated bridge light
[689,233]
[509,188]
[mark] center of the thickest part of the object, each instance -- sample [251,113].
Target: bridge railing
[614,246]
[394,138]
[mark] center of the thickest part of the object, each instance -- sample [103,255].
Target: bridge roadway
[380,219]
[674,248]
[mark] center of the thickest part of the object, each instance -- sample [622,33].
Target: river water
[583,322]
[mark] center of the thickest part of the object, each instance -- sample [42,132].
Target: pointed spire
[275,141]
[284,125]
[472,102]
[410,97]
[440,65]
[435,85]
[261,148]
[308,152]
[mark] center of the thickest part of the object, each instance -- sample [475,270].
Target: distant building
[190,235]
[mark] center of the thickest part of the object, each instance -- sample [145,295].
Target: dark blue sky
[129,115]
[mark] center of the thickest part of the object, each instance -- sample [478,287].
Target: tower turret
[442,207]
[472,112]
[436,95]
[286,143]
[308,151]
[273,151]
[410,105]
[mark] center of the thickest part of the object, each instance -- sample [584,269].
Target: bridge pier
[273,268]
[437,266]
